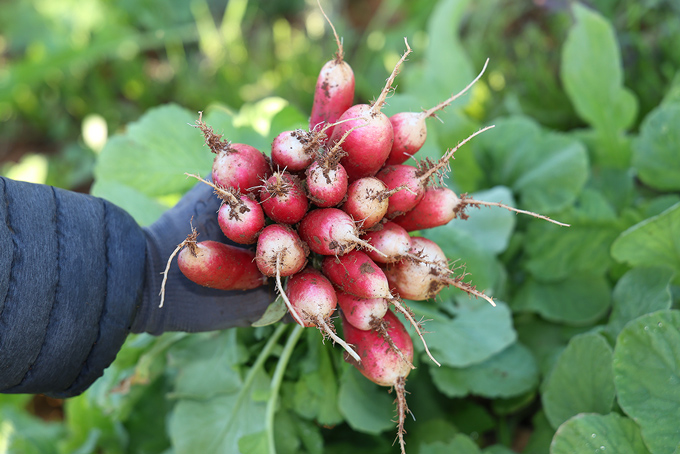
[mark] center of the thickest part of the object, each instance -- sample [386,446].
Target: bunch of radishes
[331,211]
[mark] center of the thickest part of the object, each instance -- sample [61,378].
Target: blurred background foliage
[74,72]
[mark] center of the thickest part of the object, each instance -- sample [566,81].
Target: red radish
[215,265]
[240,217]
[327,178]
[410,130]
[439,206]
[237,166]
[415,179]
[392,240]
[329,231]
[425,273]
[294,150]
[313,300]
[381,364]
[362,313]
[355,273]
[280,244]
[367,148]
[334,91]
[283,198]
[367,201]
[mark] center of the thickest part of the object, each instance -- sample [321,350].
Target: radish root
[283,293]
[381,326]
[407,313]
[326,328]
[190,240]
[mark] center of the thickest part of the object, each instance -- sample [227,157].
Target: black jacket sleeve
[71,280]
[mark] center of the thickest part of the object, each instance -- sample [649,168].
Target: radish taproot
[236,165]
[416,179]
[240,217]
[313,301]
[355,273]
[410,130]
[367,148]
[334,92]
[283,198]
[381,364]
[330,231]
[439,206]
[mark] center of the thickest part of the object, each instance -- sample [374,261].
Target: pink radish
[283,198]
[439,206]
[368,200]
[367,148]
[295,150]
[313,300]
[237,166]
[327,178]
[415,179]
[280,251]
[392,240]
[215,265]
[240,217]
[410,130]
[355,273]
[381,364]
[425,273]
[362,313]
[329,231]
[334,92]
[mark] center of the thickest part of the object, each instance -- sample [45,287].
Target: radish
[355,273]
[368,200]
[381,364]
[334,92]
[215,265]
[280,251]
[439,206]
[362,313]
[283,198]
[425,273]
[236,165]
[313,300]
[240,217]
[410,130]
[329,231]
[294,150]
[327,178]
[415,179]
[367,148]
[392,240]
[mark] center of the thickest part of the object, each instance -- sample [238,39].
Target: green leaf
[581,299]
[275,312]
[474,335]
[581,381]
[366,406]
[556,253]
[498,449]
[592,74]
[460,444]
[546,340]
[316,393]
[647,377]
[652,242]
[655,151]
[547,170]
[155,152]
[639,292]
[601,434]
[508,373]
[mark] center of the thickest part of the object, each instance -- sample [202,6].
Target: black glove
[188,306]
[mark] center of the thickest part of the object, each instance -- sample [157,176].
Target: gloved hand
[188,306]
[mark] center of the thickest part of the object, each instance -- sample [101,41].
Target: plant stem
[275,385]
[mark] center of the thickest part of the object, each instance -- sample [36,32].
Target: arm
[77,275]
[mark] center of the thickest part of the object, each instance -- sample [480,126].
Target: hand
[188,306]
